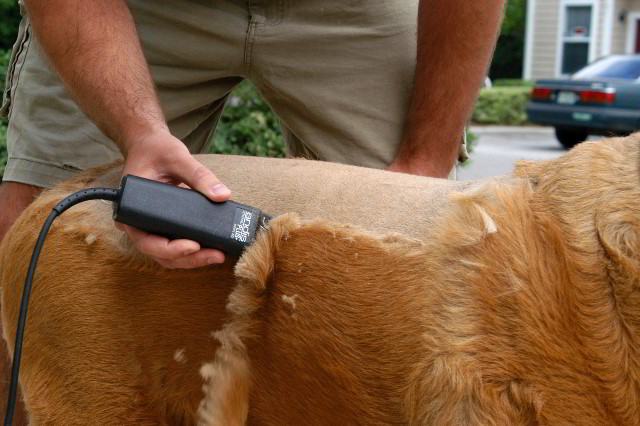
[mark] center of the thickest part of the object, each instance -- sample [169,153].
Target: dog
[383,299]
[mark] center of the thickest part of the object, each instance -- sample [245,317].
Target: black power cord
[72,200]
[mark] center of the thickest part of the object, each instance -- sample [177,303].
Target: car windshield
[623,67]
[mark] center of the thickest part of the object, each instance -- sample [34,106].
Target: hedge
[512,82]
[502,105]
[248,126]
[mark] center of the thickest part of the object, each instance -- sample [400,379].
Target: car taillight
[541,93]
[597,97]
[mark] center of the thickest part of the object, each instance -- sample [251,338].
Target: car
[603,98]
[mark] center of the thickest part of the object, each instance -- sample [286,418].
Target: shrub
[248,126]
[5,55]
[508,55]
[512,82]
[502,105]
[10,14]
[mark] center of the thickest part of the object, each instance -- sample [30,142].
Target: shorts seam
[16,75]
[248,45]
[43,163]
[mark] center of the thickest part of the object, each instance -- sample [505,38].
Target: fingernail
[220,189]
[215,259]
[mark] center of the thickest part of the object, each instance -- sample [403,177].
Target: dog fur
[516,301]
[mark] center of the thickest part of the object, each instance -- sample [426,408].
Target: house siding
[619,30]
[601,10]
[546,26]
[619,37]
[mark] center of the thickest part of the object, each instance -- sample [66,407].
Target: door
[633,33]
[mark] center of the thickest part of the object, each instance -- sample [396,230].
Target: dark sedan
[602,98]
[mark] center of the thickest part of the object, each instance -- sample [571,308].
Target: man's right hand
[94,47]
[162,157]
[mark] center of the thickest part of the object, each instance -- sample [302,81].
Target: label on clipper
[242,225]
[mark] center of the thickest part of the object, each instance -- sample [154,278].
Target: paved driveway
[498,147]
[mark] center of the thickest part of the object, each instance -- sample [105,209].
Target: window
[576,38]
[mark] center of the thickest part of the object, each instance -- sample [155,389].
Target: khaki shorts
[339,76]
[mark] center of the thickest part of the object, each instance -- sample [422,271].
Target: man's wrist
[420,167]
[426,153]
[148,134]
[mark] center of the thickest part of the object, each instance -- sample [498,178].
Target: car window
[622,67]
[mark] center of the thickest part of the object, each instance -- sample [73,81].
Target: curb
[479,130]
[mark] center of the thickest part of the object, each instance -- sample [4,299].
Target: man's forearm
[95,48]
[455,43]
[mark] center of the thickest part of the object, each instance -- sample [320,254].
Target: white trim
[632,26]
[528,43]
[561,22]
[607,33]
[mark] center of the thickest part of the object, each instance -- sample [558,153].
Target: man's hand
[455,43]
[164,158]
[94,47]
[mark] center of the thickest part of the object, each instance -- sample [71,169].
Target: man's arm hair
[455,44]
[94,47]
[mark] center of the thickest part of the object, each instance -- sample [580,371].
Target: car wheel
[570,137]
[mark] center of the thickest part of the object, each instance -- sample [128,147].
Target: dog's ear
[619,234]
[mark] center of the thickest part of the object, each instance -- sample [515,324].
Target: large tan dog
[513,301]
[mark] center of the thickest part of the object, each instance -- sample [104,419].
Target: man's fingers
[172,254]
[201,179]
[198,259]
[161,247]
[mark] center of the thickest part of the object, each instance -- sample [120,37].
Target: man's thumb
[203,180]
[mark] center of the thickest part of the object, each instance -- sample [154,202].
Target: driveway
[498,147]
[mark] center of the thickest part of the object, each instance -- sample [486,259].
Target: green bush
[509,52]
[248,126]
[9,21]
[5,55]
[501,105]
[512,82]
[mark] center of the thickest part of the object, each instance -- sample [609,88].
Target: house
[564,35]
